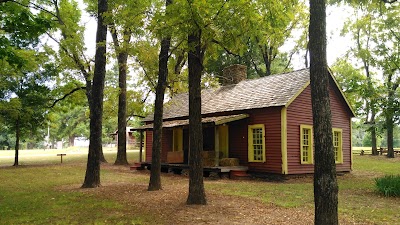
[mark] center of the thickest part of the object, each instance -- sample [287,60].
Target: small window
[306,144]
[337,145]
[256,141]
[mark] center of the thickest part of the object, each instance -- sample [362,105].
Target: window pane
[257,144]
[306,149]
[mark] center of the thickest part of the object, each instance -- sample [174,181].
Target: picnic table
[384,150]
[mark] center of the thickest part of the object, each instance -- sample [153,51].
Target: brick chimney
[233,74]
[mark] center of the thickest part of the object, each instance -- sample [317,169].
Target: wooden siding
[166,144]
[300,112]
[238,139]
[149,144]
[238,145]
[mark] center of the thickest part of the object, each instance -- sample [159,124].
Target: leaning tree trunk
[325,182]
[155,173]
[17,134]
[92,177]
[196,185]
[121,153]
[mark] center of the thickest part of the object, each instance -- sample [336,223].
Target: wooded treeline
[54,32]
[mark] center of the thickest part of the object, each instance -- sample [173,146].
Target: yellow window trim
[311,145]
[340,150]
[177,139]
[250,142]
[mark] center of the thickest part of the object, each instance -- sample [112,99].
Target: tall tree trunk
[389,118]
[92,177]
[373,131]
[155,173]
[89,95]
[325,182]
[371,102]
[122,66]
[17,134]
[267,60]
[196,185]
[389,130]
[71,140]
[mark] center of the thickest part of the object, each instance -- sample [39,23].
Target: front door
[223,135]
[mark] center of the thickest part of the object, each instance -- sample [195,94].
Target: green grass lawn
[357,194]
[49,156]
[39,192]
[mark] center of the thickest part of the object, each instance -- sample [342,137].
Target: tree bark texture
[196,185]
[389,127]
[17,134]
[325,182]
[155,173]
[92,177]
[122,60]
[71,140]
[373,131]
[389,120]
[371,103]
[122,67]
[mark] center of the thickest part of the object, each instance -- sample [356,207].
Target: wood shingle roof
[270,91]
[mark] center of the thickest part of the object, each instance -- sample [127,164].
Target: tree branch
[74,57]
[147,95]
[217,14]
[66,95]
[175,48]
[226,49]
[133,115]
[147,75]
[193,15]
[395,35]
[34,6]
[289,61]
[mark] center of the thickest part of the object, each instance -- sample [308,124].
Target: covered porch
[215,141]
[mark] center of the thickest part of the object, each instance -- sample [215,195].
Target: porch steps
[136,166]
[239,175]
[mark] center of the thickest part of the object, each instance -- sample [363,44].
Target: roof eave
[342,93]
[297,94]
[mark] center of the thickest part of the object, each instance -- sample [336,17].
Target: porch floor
[177,168]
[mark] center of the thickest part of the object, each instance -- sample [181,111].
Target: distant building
[81,142]
[131,142]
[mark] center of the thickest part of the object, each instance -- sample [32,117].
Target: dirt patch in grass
[168,206]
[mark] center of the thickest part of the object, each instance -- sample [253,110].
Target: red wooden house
[131,142]
[265,124]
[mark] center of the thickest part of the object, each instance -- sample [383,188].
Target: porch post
[216,145]
[141,146]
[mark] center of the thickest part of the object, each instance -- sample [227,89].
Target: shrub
[388,185]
